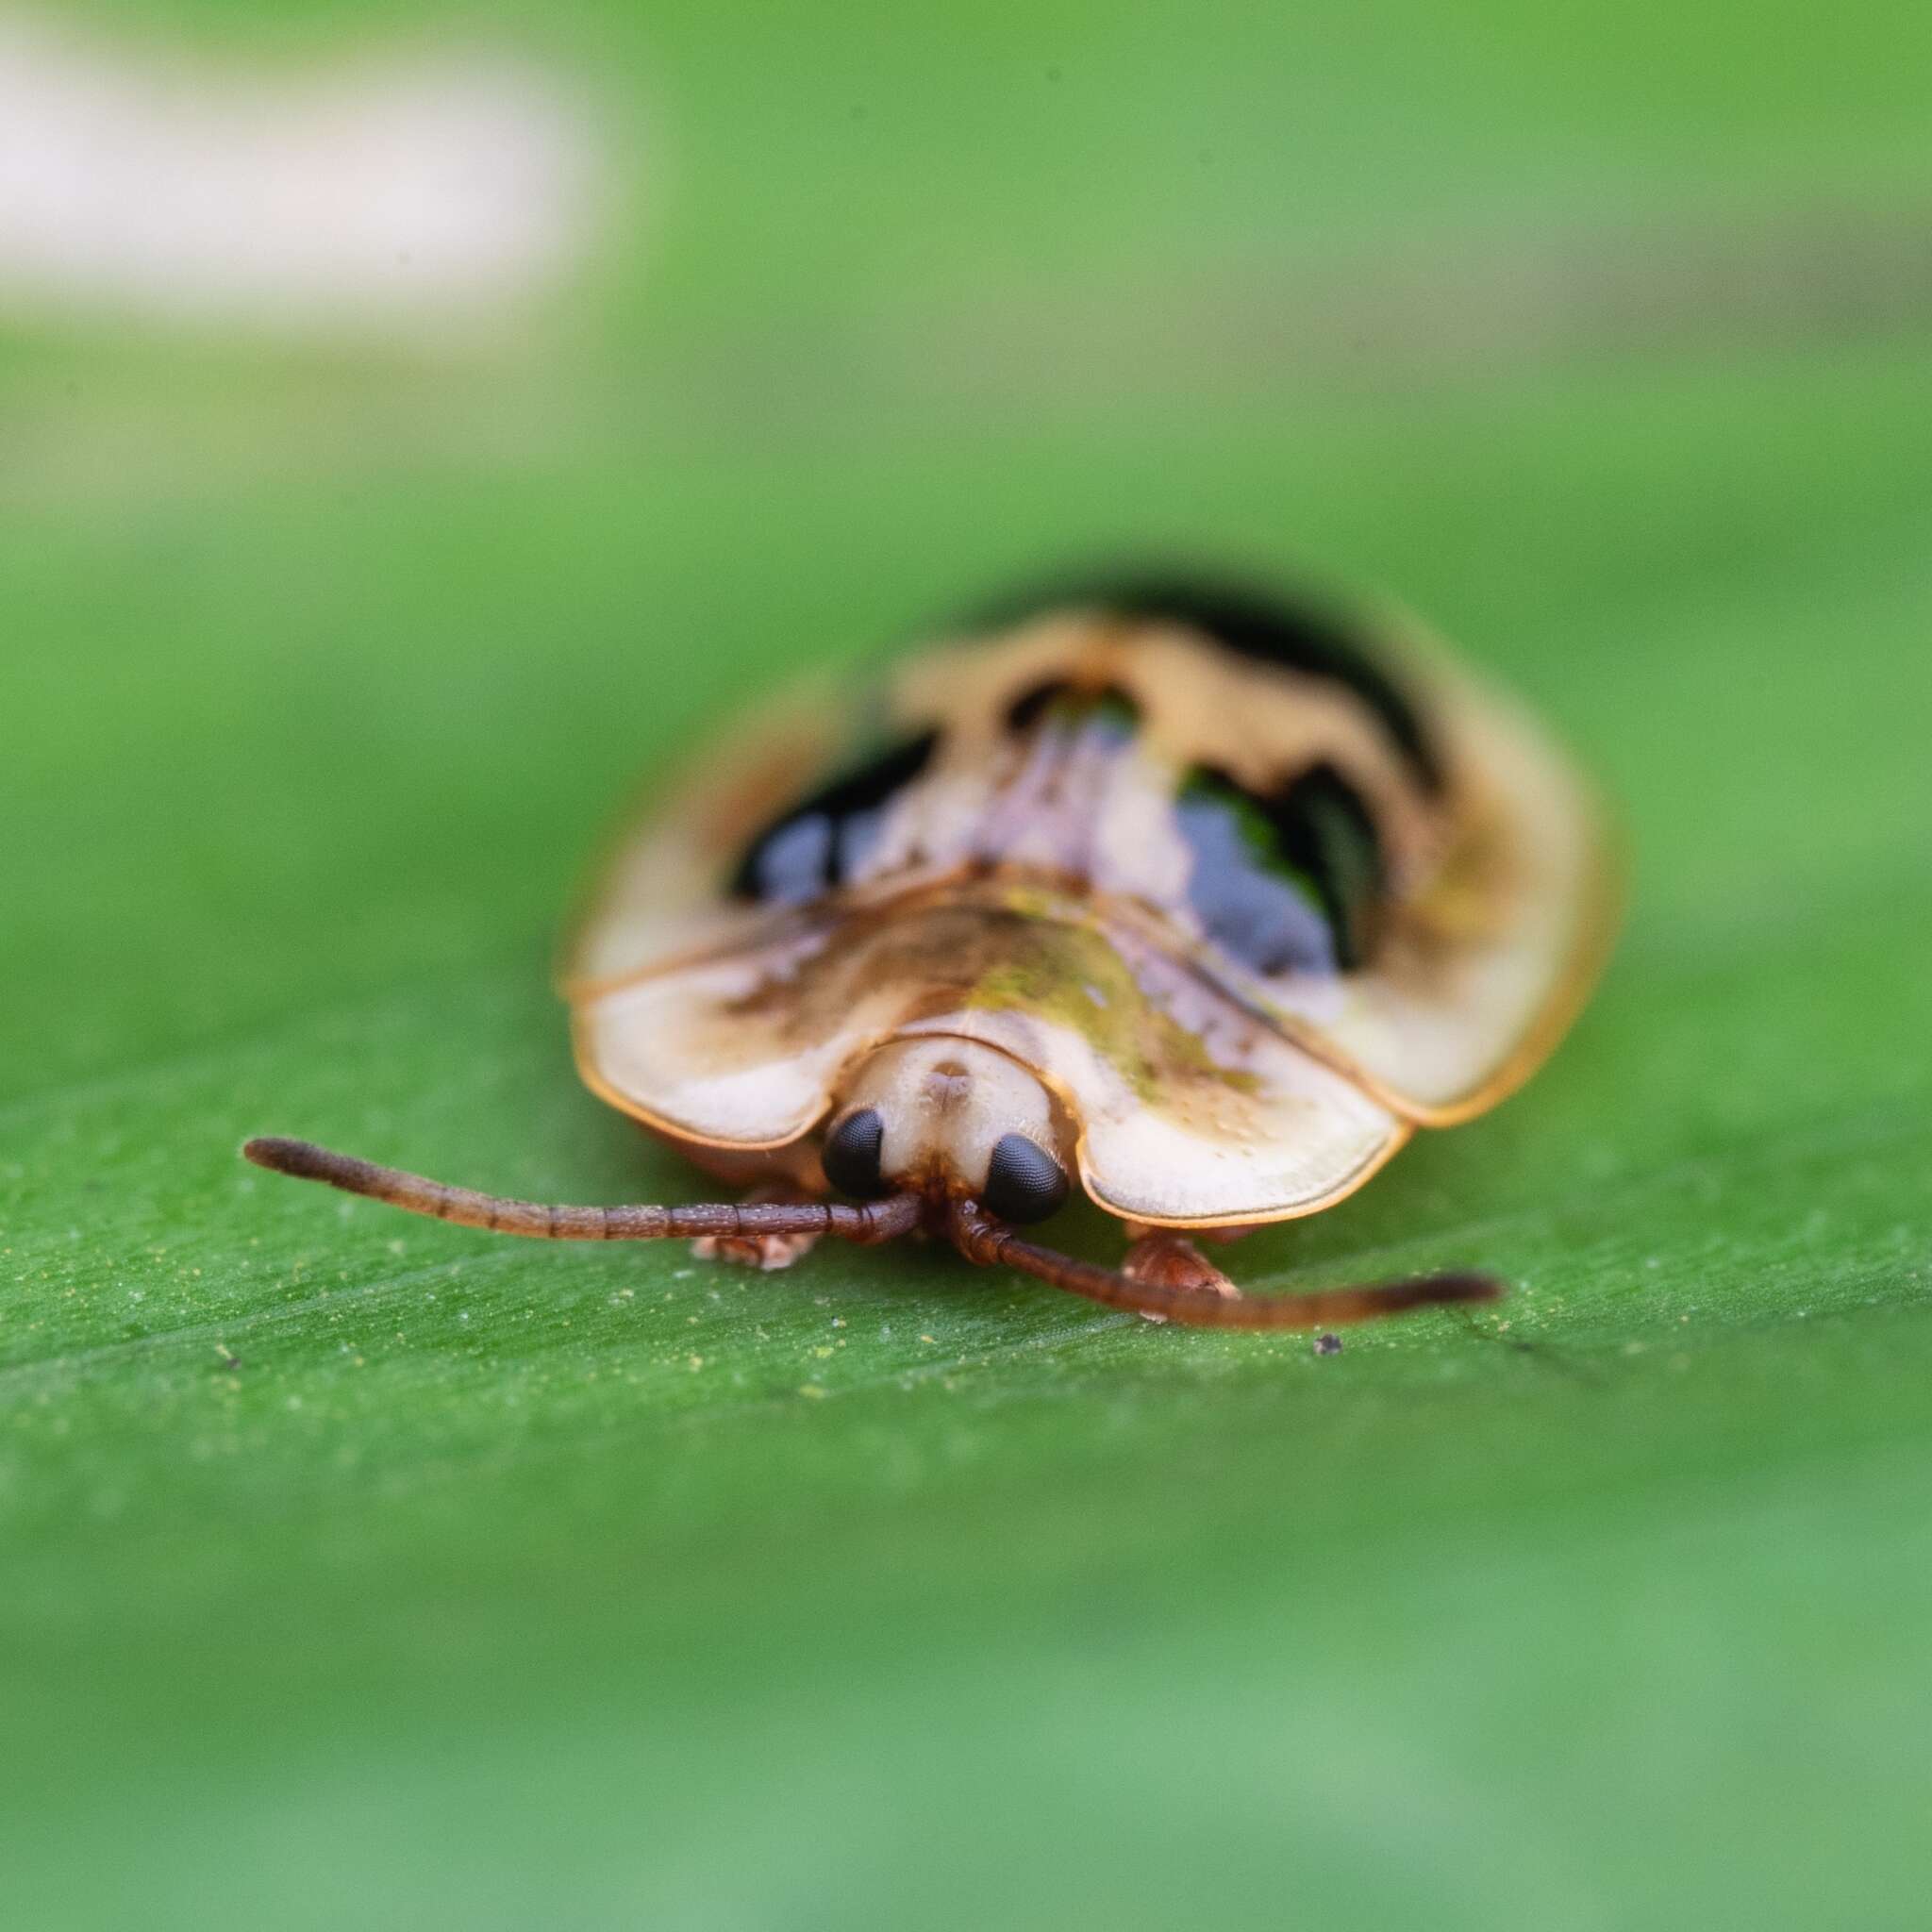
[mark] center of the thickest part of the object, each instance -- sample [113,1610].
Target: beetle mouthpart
[875,1221]
[981,1238]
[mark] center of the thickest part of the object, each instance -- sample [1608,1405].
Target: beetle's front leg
[1167,1258]
[766,1251]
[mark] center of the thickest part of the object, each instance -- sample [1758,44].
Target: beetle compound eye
[851,1154]
[1024,1182]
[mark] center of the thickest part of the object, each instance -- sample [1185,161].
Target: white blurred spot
[366,194]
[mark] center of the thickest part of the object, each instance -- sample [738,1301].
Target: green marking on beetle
[1070,975]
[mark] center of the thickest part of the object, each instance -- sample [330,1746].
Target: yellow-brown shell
[1030,884]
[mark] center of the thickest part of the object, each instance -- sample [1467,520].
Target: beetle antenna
[873,1221]
[980,1237]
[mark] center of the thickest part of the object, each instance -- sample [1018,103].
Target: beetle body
[1195,900]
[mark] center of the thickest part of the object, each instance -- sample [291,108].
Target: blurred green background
[358,1572]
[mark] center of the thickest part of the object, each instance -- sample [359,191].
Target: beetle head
[950,1119]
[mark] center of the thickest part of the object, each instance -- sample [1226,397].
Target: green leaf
[358,1569]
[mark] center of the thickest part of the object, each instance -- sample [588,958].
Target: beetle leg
[1165,1258]
[766,1251]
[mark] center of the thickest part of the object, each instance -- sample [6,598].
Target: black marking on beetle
[1253,623]
[1108,708]
[1290,881]
[822,842]
[1027,710]
[1329,833]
